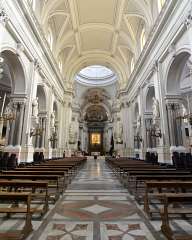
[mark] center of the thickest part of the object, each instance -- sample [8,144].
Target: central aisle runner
[95,207]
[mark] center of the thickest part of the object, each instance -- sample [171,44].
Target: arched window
[132,64]
[143,38]
[160,4]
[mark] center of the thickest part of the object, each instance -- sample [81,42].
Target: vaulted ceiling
[104,32]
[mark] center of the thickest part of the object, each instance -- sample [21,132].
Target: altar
[95,154]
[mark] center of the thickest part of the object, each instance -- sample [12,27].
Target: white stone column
[175,126]
[12,125]
[20,123]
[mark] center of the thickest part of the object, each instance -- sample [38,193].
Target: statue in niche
[155,108]
[52,119]
[35,107]
[138,124]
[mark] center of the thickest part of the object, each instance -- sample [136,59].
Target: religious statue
[52,120]
[156,113]
[138,124]
[35,107]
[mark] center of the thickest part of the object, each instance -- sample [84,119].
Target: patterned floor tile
[125,231]
[96,207]
[68,231]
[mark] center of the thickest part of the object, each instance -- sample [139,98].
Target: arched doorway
[12,102]
[179,100]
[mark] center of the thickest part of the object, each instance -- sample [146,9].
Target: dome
[96,75]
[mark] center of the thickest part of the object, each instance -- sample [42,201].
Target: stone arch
[177,84]
[104,106]
[174,73]
[95,59]
[15,72]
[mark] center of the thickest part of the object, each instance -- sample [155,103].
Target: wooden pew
[136,183]
[128,172]
[61,174]
[53,182]
[68,174]
[7,197]
[73,168]
[166,210]
[29,186]
[154,190]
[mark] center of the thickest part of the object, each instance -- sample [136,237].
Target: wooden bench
[154,189]
[7,197]
[136,182]
[68,174]
[53,182]
[29,186]
[61,174]
[127,173]
[166,210]
[72,168]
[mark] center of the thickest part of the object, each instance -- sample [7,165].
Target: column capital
[173,105]
[173,99]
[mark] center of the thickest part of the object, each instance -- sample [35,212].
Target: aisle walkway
[95,207]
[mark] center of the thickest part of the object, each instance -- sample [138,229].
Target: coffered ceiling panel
[98,39]
[97,11]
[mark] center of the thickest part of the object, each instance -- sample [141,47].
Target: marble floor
[95,206]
